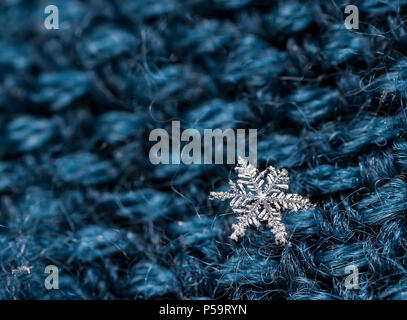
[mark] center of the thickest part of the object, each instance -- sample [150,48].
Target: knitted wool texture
[77,189]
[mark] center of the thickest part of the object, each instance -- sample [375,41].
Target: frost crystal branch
[256,199]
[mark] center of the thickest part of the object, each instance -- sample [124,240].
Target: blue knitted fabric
[77,189]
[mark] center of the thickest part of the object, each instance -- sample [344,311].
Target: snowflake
[256,199]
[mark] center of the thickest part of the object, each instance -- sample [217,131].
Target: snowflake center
[262,196]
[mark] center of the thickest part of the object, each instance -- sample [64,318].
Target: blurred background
[77,189]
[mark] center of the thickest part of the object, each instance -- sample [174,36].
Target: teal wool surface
[77,188]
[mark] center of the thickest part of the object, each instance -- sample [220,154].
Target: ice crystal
[260,196]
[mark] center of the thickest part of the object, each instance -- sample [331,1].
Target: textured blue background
[77,189]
